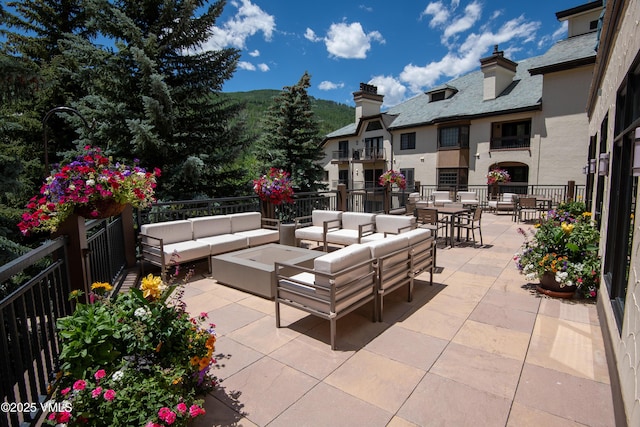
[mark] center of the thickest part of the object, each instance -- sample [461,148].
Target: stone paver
[478,348]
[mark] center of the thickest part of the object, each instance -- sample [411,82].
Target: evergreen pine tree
[291,138]
[150,88]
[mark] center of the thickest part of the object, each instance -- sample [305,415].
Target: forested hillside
[330,115]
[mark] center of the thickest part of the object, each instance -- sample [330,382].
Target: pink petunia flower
[80,385]
[100,374]
[195,410]
[181,408]
[64,391]
[109,395]
[96,392]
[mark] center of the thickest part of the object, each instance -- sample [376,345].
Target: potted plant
[391,177]
[495,177]
[91,185]
[276,192]
[562,253]
[136,359]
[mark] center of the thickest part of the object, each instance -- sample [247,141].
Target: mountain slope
[330,114]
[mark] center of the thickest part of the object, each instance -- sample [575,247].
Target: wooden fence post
[571,190]
[75,230]
[342,197]
[386,201]
[128,236]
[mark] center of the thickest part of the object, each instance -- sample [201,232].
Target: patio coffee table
[253,269]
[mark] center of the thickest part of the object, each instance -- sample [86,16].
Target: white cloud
[561,31]
[311,35]
[366,8]
[254,53]
[350,41]
[263,67]
[393,91]
[244,65]
[327,85]
[438,12]
[471,15]
[464,58]
[249,20]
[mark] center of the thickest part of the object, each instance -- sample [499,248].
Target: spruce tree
[291,138]
[138,70]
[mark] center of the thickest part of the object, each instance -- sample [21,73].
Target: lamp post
[45,136]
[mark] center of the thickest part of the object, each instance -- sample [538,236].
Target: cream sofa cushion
[169,232]
[210,226]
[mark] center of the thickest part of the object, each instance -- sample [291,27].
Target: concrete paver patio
[478,348]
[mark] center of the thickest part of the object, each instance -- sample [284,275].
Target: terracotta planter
[106,208]
[549,286]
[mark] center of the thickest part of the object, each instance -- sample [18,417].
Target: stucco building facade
[527,117]
[614,128]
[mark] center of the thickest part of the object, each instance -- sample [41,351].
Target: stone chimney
[367,100]
[498,73]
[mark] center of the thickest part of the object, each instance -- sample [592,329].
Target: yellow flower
[586,214]
[567,228]
[536,225]
[104,286]
[152,286]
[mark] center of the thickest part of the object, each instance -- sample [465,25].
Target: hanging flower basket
[100,209]
[92,186]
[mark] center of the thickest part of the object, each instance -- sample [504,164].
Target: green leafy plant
[564,244]
[136,359]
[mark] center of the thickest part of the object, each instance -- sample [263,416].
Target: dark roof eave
[578,9]
[469,117]
[563,66]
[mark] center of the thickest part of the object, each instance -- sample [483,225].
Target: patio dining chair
[428,218]
[527,206]
[471,222]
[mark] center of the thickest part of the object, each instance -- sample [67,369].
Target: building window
[452,178]
[343,177]
[374,148]
[376,125]
[511,135]
[453,137]
[371,178]
[437,96]
[409,175]
[622,201]
[408,141]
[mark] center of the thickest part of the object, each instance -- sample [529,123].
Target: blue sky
[403,47]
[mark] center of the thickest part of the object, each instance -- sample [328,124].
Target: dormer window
[441,93]
[437,96]
[375,125]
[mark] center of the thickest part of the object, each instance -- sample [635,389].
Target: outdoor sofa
[346,279]
[175,242]
[347,228]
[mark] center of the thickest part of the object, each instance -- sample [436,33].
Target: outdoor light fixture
[585,169]
[592,165]
[603,165]
[636,153]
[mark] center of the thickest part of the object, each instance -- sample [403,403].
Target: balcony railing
[28,337]
[511,142]
[340,156]
[369,154]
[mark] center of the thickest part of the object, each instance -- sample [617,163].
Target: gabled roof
[566,54]
[524,94]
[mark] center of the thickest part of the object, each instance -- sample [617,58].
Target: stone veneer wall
[625,344]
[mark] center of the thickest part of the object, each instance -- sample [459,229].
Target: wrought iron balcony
[522,142]
[369,154]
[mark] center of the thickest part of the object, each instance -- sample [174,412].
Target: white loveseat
[175,242]
[314,227]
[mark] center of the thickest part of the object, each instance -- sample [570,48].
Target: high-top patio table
[452,213]
[253,269]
